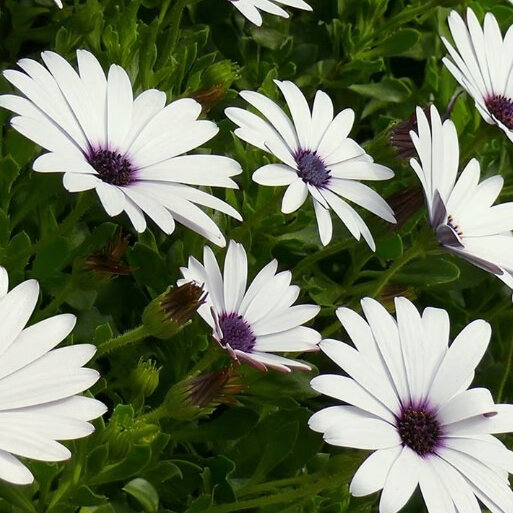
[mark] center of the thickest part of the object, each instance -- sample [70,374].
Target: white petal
[476,401]
[435,494]
[77,182]
[324,223]
[288,319]
[460,361]
[15,310]
[337,131]
[372,474]
[294,196]
[299,338]
[235,276]
[274,174]
[13,471]
[278,362]
[4,282]
[62,163]
[322,116]
[112,198]
[400,482]
[214,280]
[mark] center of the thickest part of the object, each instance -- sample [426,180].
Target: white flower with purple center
[318,158]
[483,65]
[250,9]
[38,384]
[407,399]
[461,210]
[252,324]
[130,150]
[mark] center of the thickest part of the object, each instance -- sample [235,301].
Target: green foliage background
[153,452]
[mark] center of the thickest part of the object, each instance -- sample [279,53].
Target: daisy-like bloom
[38,383]
[318,158]
[251,324]
[460,210]
[482,63]
[407,399]
[250,9]
[129,150]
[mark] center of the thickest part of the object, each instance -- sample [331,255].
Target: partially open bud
[202,394]
[400,138]
[99,267]
[405,203]
[215,81]
[169,312]
[144,379]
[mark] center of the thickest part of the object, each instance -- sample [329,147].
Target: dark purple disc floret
[419,429]
[311,168]
[111,166]
[501,108]
[237,332]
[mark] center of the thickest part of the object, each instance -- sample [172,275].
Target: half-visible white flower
[460,210]
[406,398]
[318,158]
[251,324]
[482,63]
[129,150]
[58,3]
[250,9]
[38,383]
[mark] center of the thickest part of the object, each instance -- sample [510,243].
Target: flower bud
[200,395]
[99,267]
[144,379]
[168,313]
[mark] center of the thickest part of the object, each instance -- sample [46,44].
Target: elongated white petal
[294,196]
[13,471]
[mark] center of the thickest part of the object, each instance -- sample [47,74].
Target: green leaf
[388,90]
[144,492]
[17,497]
[428,272]
[399,42]
[102,334]
[390,246]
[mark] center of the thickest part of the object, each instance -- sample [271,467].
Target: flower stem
[326,252]
[122,340]
[506,372]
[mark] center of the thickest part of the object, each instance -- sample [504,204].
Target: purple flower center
[237,332]
[311,169]
[111,167]
[502,109]
[419,429]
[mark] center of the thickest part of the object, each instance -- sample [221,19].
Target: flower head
[460,210]
[129,150]
[38,384]
[407,400]
[253,323]
[482,63]
[250,9]
[318,158]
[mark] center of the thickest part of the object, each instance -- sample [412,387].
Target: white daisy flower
[483,65]
[407,400]
[251,324]
[38,383]
[129,150]
[250,9]
[460,210]
[317,157]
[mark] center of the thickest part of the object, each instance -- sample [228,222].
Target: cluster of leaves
[153,451]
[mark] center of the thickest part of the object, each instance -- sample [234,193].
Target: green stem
[326,252]
[56,302]
[506,372]
[122,340]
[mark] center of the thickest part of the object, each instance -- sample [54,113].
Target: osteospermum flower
[129,150]
[318,158]
[38,384]
[482,63]
[250,9]
[251,324]
[407,400]
[460,210]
